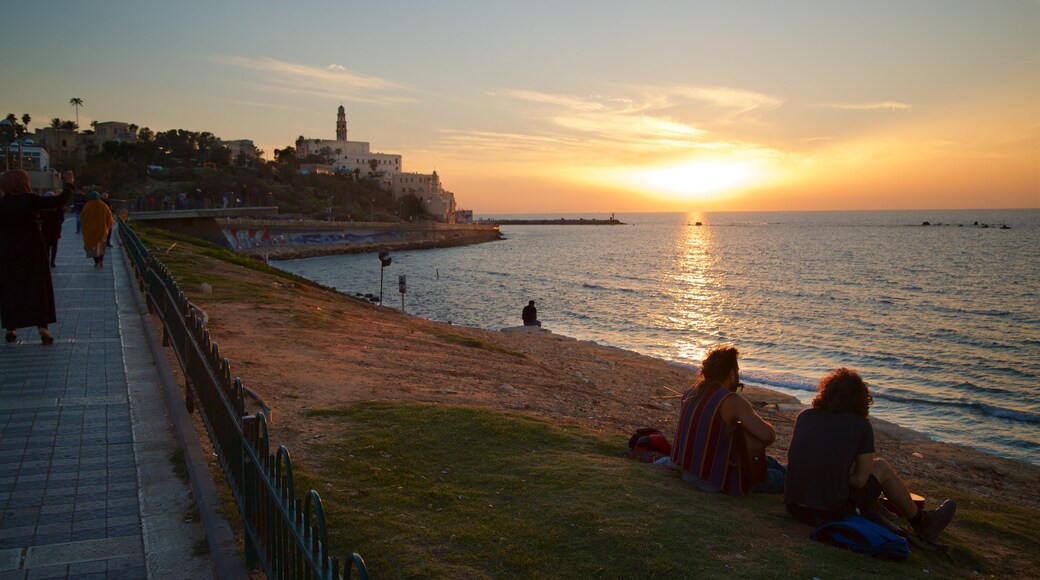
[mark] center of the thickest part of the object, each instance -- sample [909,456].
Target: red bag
[648,445]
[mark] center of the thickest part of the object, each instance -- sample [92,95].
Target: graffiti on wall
[244,239]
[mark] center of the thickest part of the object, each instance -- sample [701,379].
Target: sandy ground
[311,349]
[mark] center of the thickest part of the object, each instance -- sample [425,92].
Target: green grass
[435,491]
[440,491]
[158,241]
[470,342]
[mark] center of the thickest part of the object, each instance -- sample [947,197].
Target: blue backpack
[864,537]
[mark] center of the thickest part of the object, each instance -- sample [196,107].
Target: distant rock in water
[926,224]
[699,224]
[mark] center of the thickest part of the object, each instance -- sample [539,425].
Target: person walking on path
[51,219]
[530,315]
[78,202]
[108,238]
[26,291]
[97,222]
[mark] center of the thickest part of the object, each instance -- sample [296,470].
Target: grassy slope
[445,491]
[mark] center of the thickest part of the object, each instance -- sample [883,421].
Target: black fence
[285,536]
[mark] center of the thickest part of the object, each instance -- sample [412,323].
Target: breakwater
[556,222]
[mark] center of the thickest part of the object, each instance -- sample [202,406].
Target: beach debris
[506,387]
[917,455]
[205,288]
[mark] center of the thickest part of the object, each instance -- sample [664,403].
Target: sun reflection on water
[697,302]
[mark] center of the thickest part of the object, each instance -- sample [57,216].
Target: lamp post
[372,211]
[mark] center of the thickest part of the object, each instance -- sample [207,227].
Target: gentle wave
[798,292]
[902,396]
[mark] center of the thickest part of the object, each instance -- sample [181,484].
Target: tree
[56,123]
[220,155]
[285,156]
[25,121]
[76,102]
[12,130]
[145,134]
[69,126]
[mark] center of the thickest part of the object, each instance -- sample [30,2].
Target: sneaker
[934,522]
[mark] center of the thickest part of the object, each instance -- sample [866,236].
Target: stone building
[347,156]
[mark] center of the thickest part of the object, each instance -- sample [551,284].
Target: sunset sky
[579,106]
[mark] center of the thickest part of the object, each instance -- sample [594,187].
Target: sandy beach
[306,348]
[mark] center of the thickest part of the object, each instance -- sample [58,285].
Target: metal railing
[284,535]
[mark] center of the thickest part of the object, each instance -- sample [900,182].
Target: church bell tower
[341,124]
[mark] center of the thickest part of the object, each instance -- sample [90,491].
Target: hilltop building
[345,156]
[35,160]
[242,150]
[114,131]
[63,145]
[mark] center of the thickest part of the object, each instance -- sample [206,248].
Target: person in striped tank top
[720,440]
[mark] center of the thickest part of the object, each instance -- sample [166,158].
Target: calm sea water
[942,321]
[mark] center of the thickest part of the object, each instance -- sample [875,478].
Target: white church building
[347,156]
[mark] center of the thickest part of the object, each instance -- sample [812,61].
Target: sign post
[384,261]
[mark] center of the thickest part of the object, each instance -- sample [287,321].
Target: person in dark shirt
[530,315]
[51,220]
[78,201]
[832,471]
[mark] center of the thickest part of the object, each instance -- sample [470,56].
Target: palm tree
[76,102]
[56,123]
[25,121]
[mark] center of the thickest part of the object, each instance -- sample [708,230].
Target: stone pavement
[88,456]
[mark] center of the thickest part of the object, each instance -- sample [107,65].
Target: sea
[942,320]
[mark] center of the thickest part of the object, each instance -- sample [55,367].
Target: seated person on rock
[832,471]
[530,315]
[719,435]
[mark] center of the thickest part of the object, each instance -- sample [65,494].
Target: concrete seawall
[282,239]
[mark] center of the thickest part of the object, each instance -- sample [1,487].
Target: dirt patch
[312,349]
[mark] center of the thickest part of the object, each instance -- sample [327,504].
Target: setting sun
[700,178]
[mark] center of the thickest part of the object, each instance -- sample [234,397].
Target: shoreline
[346,350]
[784,402]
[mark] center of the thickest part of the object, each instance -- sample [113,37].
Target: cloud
[733,102]
[882,106]
[663,118]
[333,80]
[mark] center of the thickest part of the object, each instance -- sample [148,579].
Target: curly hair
[843,391]
[720,361]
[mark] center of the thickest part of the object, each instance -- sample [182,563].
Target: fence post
[250,430]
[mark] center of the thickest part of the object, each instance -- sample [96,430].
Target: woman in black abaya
[26,293]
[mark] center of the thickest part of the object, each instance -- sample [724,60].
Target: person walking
[26,291]
[78,202]
[97,221]
[51,219]
[108,202]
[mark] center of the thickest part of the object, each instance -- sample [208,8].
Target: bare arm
[861,469]
[754,424]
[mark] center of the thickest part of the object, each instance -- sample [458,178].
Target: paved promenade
[88,487]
